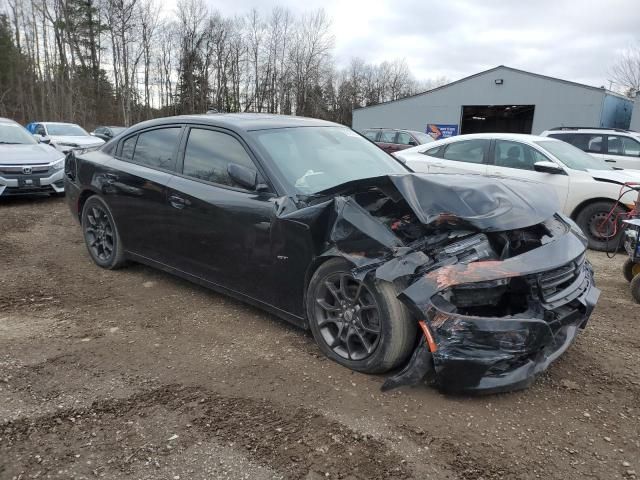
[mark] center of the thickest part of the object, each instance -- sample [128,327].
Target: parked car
[393,140]
[27,167]
[310,221]
[107,133]
[63,136]
[587,188]
[619,148]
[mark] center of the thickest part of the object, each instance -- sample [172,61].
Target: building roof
[499,67]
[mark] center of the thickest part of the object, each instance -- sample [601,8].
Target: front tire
[360,325]
[599,226]
[101,234]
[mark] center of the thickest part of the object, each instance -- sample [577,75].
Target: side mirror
[413,143]
[43,139]
[243,176]
[548,167]
[93,134]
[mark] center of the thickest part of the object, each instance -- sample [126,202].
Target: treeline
[122,61]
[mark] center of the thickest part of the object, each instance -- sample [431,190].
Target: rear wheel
[601,225]
[359,324]
[630,269]
[101,234]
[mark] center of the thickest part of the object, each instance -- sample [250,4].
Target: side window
[433,152]
[469,151]
[404,138]
[128,146]
[209,153]
[617,145]
[156,148]
[387,136]
[586,142]
[516,155]
[371,135]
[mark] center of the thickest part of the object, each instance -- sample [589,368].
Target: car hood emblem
[27,170]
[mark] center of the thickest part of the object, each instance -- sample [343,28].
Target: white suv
[587,187]
[619,148]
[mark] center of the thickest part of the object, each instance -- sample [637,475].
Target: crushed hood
[484,203]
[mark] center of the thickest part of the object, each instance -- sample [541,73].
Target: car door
[134,184]
[462,156]
[221,232]
[405,140]
[622,151]
[386,140]
[513,159]
[419,161]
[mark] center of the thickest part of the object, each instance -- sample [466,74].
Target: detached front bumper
[39,181]
[487,354]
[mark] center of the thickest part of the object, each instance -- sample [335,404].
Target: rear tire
[101,234]
[368,330]
[590,219]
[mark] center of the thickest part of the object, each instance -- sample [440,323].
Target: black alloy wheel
[101,234]
[348,316]
[360,324]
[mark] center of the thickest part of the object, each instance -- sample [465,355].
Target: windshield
[65,129]
[13,134]
[313,159]
[573,157]
[423,137]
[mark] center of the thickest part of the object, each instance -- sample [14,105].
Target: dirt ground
[137,374]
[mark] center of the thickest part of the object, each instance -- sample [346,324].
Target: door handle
[177,202]
[610,160]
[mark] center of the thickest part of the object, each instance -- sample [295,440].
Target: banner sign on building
[441,131]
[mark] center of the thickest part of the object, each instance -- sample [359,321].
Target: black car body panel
[498,279]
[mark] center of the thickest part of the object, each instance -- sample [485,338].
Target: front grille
[10,172]
[552,282]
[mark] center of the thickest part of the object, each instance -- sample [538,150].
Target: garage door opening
[497,118]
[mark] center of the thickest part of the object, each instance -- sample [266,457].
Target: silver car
[27,166]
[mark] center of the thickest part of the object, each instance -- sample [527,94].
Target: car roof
[243,121]
[57,123]
[567,131]
[522,137]
[6,120]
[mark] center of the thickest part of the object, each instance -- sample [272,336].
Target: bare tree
[625,72]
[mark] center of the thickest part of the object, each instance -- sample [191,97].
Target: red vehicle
[392,140]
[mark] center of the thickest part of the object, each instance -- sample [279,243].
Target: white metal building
[502,99]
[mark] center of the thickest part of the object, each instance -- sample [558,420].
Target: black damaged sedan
[472,283]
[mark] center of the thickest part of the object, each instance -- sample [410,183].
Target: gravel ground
[137,374]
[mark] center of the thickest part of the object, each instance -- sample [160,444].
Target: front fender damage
[498,283]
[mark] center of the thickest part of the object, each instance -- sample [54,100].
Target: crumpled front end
[499,333]
[498,282]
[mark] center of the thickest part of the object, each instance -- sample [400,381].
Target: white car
[64,136]
[587,187]
[27,167]
[619,148]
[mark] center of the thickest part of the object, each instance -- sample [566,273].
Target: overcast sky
[571,39]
